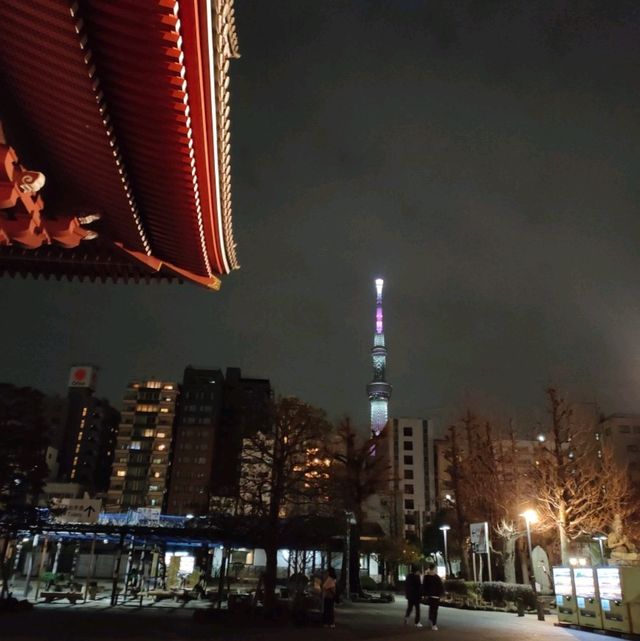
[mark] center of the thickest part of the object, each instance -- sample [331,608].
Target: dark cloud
[480,156]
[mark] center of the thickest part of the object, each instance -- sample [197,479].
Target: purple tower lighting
[379,391]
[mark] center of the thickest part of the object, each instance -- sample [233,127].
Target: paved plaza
[63,622]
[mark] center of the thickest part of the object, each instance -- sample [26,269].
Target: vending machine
[587,600]
[619,589]
[565,595]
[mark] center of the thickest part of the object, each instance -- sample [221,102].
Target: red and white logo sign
[82,376]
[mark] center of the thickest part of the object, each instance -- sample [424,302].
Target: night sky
[481,157]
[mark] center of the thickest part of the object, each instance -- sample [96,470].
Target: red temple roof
[124,108]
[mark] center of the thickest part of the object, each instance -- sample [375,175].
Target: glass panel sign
[585,584]
[609,583]
[562,581]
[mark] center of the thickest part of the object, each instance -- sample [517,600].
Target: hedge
[498,593]
[459,587]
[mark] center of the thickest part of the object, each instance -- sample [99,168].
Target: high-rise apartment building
[413,476]
[142,456]
[245,411]
[197,419]
[215,412]
[517,460]
[621,432]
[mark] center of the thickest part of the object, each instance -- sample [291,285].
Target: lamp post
[351,520]
[530,517]
[601,538]
[445,529]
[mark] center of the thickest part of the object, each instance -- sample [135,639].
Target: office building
[87,439]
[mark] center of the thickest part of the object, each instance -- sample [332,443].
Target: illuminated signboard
[609,584]
[82,376]
[585,584]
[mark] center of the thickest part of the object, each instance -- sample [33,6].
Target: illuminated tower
[379,391]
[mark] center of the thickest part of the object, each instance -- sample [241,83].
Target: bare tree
[454,455]
[283,474]
[359,472]
[579,488]
[489,483]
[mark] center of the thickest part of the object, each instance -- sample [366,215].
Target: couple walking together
[430,587]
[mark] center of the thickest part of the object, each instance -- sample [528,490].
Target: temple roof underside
[114,139]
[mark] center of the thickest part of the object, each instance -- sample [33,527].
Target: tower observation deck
[378,390]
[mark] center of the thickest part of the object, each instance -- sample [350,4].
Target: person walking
[433,589]
[413,592]
[329,590]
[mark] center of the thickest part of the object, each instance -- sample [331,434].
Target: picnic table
[159,595]
[51,596]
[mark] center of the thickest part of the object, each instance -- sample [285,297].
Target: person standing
[433,589]
[329,589]
[413,592]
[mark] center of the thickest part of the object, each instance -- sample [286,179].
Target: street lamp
[445,529]
[530,516]
[351,520]
[601,538]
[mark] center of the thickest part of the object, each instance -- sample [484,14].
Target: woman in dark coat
[433,589]
[413,592]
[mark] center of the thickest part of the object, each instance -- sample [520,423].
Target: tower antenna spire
[378,390]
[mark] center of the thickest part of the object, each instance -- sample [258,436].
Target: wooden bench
[159,595]
[50,597]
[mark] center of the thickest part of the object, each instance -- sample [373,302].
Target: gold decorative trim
[225,47]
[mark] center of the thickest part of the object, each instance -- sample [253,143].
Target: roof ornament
[21,209]
[29,182]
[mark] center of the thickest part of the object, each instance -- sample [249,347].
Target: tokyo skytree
[378,390]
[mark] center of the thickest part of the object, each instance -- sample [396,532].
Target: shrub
[367,583]
[456,586]
[473,587]
[525,592]
[499,593]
